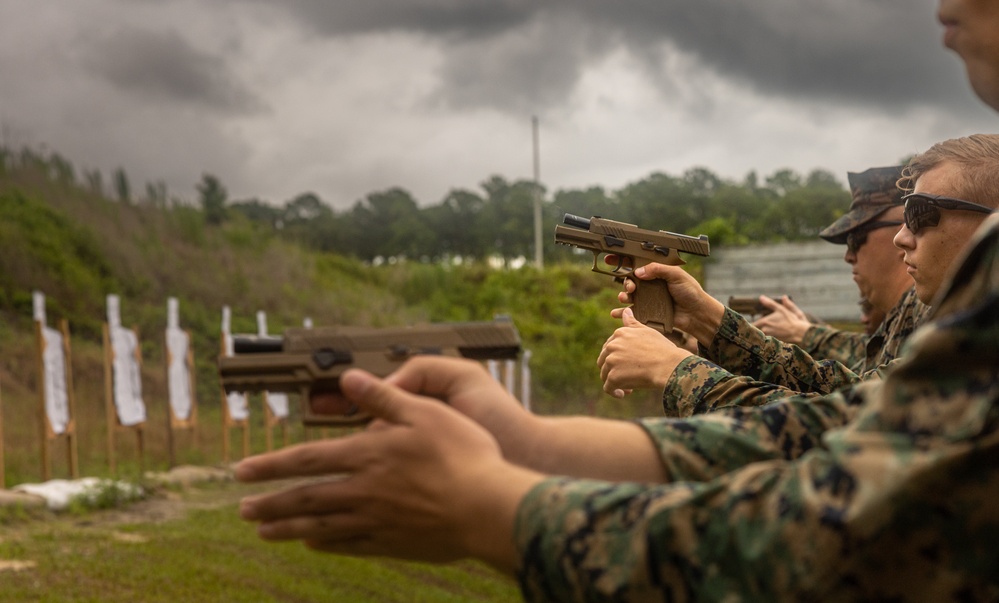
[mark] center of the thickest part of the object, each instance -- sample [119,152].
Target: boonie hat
[873,192]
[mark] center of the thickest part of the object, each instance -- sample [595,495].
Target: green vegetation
[384,262]
[158,554]
[107,494]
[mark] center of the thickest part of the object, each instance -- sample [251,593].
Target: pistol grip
[652,305]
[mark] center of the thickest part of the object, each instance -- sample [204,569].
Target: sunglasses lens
[855,240]
[919,214]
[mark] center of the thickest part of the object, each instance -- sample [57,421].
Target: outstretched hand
[417,484]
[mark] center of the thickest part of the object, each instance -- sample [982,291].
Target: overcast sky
[347,97]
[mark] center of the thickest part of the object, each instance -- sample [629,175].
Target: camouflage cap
[873,192]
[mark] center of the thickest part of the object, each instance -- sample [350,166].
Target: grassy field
[191,547]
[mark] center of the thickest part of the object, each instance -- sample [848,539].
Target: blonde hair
[977,156]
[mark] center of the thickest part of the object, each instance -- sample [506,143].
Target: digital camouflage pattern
[873,192]
[782,504]
[745,367]
[885,343]
[830,343]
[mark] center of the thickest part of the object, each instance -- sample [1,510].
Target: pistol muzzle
[576,221]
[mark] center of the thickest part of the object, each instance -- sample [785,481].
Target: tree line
[497,220]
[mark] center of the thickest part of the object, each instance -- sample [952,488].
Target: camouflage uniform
[885,344]
[767,369]
[829,343]
[873,192]
[777,504]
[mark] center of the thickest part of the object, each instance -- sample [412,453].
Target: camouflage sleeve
[894,506]
[742,349]
[700,386]
[747,368]
[827,343]
[887,508]
[706,446]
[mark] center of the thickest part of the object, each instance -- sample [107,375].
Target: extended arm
[893,490]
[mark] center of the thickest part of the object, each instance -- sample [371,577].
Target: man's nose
[904,238]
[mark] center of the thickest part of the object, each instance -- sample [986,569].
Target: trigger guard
[619,272]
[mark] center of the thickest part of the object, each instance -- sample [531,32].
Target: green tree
[309,221]
[213,197]
[783,181]
[458,224]
[509,214]
[121,186]
[304,208]
[258,212]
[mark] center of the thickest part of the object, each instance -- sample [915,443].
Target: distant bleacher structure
[813,274]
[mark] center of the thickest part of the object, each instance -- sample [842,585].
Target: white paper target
[179,378]
[56,395]
[126,377]
[239,409]
[276,401]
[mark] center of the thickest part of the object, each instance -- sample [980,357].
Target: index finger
[788,303]
[437,376]
[307,459]
[379,399]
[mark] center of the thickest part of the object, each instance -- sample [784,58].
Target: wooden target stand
[271,421]
[48,434]
[111,413]
[175,423]
[3,476]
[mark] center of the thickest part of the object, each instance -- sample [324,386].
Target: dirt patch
[170,497]
[9,498]
[15,566]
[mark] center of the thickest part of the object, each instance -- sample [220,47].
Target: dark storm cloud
[508,54]
[464,18]
[162,66]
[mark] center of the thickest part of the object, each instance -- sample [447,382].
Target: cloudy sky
[346,97]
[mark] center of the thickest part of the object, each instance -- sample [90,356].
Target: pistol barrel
[256,344]
[576,221]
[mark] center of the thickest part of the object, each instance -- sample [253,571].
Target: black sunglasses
[856,238]
[922,210]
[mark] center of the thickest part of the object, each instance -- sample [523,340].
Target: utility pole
[538,255]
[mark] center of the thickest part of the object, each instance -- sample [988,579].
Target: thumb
[374,396]
[628,318]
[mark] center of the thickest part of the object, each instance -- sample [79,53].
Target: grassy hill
[76,247]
